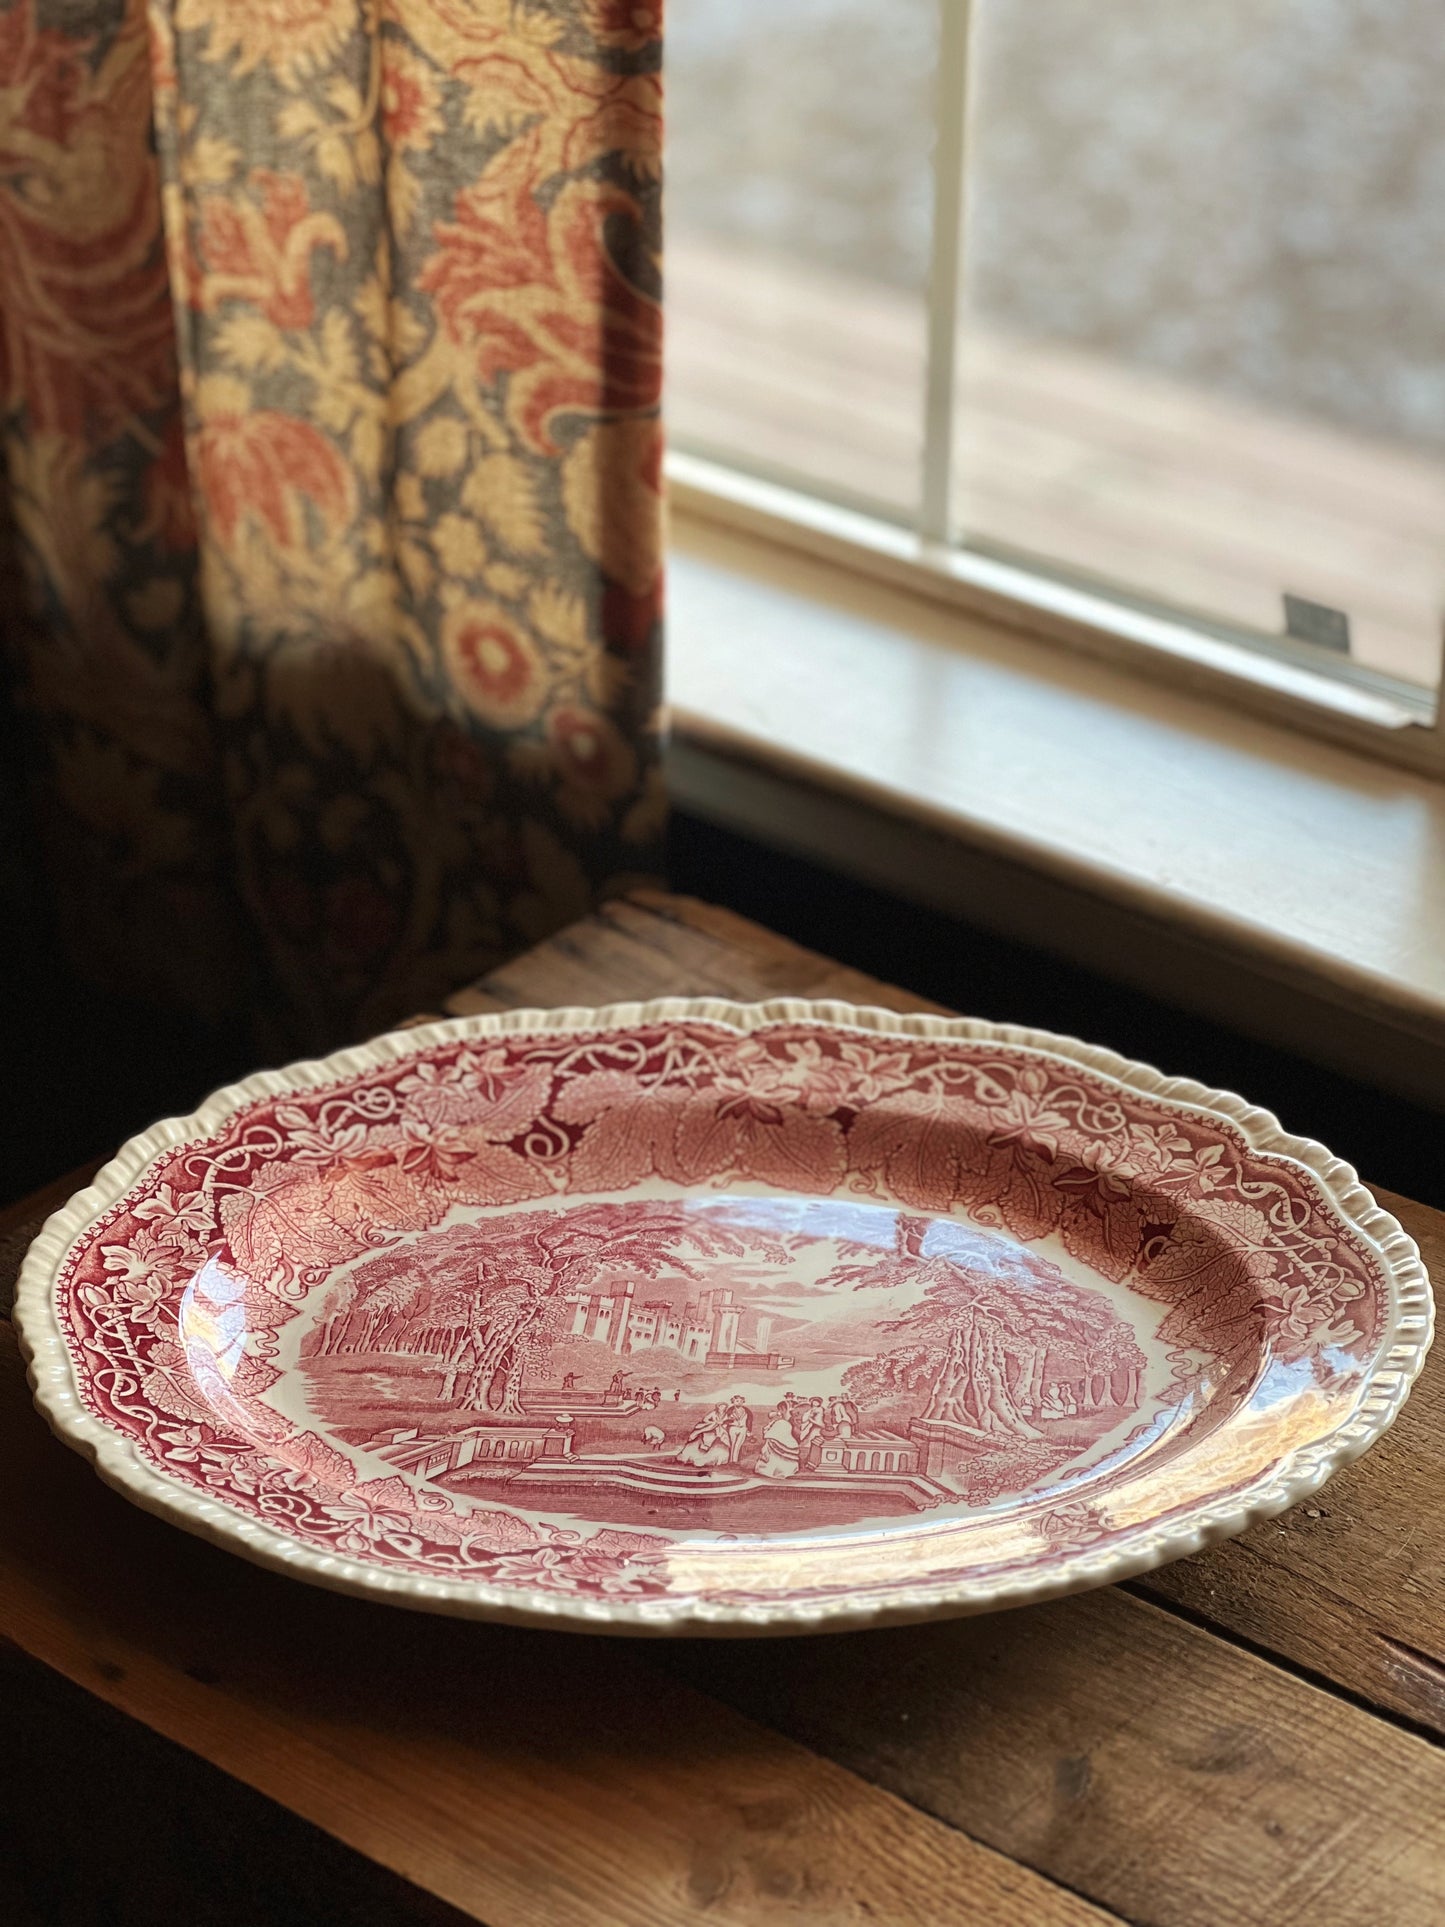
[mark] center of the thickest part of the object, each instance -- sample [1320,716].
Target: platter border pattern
[1396,1362]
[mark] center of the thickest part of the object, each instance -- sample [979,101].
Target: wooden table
[1250,1736]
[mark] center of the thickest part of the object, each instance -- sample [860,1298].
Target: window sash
[945,270]
[1276,676]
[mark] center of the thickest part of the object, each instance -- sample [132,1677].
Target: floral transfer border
[1396,1359]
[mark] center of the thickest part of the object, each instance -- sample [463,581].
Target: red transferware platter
[695,1317]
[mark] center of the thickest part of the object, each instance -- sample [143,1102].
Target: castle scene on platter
[738,1364]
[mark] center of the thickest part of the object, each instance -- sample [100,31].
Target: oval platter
[694,1317]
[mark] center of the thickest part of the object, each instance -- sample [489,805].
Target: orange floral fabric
[330,355]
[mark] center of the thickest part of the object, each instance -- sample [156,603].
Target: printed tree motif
[971,1387]
[500,1289]
[975,1344]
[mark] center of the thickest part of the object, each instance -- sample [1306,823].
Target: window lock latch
[1316,622]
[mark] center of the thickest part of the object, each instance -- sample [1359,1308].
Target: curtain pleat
[329,366]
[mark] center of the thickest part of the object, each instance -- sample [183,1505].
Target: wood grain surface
[1247,1736]
[1127,1752]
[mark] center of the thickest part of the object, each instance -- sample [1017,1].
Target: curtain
[329,486]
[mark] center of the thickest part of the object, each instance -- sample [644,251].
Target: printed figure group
[793,1428]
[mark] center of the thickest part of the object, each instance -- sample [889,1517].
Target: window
[1130,319]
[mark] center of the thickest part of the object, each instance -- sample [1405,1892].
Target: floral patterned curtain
[329,484]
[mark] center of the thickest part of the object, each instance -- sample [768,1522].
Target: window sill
[1285,886]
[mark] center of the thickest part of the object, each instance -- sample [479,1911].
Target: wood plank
[1166,1773]
[146,1834]
[652,944]
[528,1779]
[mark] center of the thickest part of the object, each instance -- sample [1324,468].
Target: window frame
[1274,676]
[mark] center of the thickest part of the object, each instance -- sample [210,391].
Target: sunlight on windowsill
[821,711]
